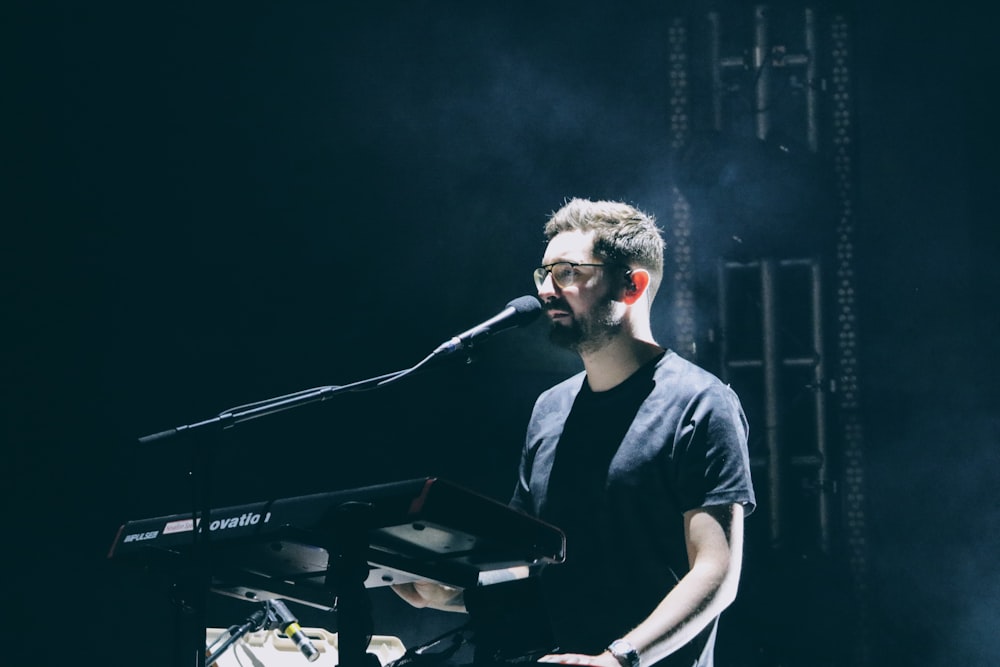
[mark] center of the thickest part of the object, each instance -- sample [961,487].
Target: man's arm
[431,594]
[714,537]
[448,598]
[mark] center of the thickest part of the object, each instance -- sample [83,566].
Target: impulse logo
[138,537]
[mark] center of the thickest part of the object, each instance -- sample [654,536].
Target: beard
[587,332]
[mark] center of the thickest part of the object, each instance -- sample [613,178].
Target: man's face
[583,315]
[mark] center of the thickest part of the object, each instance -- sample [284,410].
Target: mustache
[556,304]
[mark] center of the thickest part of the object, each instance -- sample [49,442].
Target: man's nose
[547,288]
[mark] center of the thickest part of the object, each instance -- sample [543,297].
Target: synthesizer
[426,528]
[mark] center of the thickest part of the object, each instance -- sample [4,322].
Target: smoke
[462,130]
[935,580]
[482,101]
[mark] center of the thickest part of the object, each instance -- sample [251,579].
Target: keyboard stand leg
[189,591]
[347,571]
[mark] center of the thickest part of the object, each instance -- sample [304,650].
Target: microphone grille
[526,308]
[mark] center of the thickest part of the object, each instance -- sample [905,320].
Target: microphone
[289,625]
[520,311]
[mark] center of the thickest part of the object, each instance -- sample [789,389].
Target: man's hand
[603,660]
[431,594]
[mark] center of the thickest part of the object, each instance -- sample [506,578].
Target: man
[640,459]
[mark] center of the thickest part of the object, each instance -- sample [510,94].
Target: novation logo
[139,537]
[245,519]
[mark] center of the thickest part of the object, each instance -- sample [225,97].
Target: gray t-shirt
[616,470]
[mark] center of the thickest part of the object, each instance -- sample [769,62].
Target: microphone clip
[273,614]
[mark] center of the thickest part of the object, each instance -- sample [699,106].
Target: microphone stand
[234,416]
[191,590]
[191,598]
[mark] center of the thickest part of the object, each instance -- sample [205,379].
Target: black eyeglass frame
[546,270]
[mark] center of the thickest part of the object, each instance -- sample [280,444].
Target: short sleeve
[710,461]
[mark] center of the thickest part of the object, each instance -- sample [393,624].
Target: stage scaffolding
[766,299]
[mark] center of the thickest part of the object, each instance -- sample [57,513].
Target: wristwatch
[624,652]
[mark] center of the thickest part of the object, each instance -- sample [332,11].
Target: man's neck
[616,361]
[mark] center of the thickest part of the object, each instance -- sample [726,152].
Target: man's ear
[636,283]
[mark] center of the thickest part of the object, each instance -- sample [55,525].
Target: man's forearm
[700,596]
[689,608]
[432,595]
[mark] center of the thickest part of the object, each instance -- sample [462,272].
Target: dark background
[208,205]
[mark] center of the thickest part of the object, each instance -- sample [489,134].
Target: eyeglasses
[564,274]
